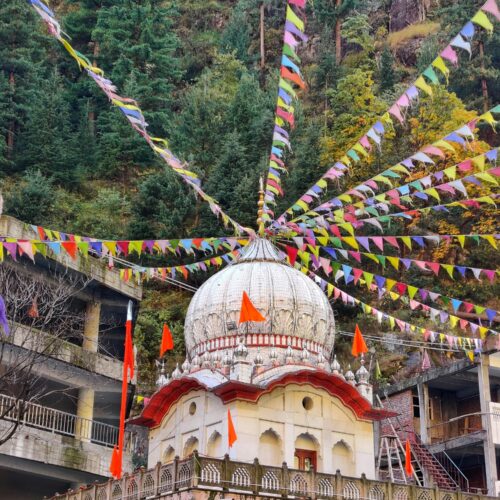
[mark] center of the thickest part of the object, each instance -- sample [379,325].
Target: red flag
[167,342]
[408,466]
[248,311]
[358,343]
[128,358]
[115,466]
[292,254]
[231,433]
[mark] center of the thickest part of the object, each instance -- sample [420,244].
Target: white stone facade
[269,430]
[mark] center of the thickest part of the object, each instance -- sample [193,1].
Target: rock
[405,12]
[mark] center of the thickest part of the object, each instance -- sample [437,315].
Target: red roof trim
[162,401]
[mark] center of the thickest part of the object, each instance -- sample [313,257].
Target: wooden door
[305,459]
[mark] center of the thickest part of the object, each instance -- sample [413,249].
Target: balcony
[67,352]
[59,438]
[242,479]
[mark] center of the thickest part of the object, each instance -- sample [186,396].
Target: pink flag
[426,362]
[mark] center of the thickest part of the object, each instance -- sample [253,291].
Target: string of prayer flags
[248,311]
[290,78]
[167,341]
[452,270]
[409,214]
[358,343]
[388,177]
[132,112]
[373,138]
[420,188]
[458,343]
[331,244]
[138,272]
[396,290]
[3,317]
[103,248]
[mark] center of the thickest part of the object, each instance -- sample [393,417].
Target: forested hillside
[205,73]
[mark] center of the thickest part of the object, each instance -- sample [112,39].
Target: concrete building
[68,423]
[452,415]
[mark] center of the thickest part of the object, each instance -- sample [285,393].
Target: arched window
[214,446]
[270,449]
[168,455]
[343,459]
[306,452]
[191,445]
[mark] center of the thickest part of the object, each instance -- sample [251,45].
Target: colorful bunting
[398,110]
[134,115]
[290,76]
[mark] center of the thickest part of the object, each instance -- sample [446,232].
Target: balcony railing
[253,479]
[59,422]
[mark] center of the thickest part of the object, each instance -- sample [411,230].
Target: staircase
[443,472]
[431,465]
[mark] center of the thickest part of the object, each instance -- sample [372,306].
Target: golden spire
[260,204]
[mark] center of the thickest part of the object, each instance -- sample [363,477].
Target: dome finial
[260,204]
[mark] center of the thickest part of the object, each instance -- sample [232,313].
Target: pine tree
[236,36]
[387,76]
[21,51]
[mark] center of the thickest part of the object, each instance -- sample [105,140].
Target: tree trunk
[484,84]
[11,129]
[91,113]
[262,44]
[338,34]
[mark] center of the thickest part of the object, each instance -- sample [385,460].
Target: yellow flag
[441,66]
[293,18]
[482,20]
[422,84]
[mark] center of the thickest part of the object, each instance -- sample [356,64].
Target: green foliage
[387,76]
[32,199]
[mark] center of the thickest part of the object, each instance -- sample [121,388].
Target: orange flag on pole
[408,466]
[358,343]
[231,433]
[167,342]
[115,467]
[248,311]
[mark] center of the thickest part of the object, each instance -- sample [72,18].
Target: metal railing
[242,479]
[59,422]
[452,470]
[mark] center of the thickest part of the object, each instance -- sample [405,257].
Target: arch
[148,485]
[343,458]
[376,493]
[325,488]
[210,474]
[102,494]
[270,448]
[350,491]
[132,490]
[240,477]
[117,492]
[191,445]
[168,455]
[270,481]
[166,481]
[307,441]
[214,445]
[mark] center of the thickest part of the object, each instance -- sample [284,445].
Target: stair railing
[453,470]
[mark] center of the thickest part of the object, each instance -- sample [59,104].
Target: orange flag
[231,433]
[128,357]
[167,342]
[408,466]
[115,466]
[248,311]
[358,343]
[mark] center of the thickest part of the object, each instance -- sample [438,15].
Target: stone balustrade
[201,477]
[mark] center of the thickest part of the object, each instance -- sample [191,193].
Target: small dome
[241,350]
[336,368]
[177,372]
[186,366]
[294,306]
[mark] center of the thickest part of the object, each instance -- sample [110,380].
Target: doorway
[305,459]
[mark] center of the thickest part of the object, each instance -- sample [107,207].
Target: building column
[488,445]
[91,327]
[423,404]
[85,405]
[85,414]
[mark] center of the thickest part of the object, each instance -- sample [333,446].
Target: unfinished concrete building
[61,369]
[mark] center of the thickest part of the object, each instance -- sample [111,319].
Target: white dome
[296,309]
